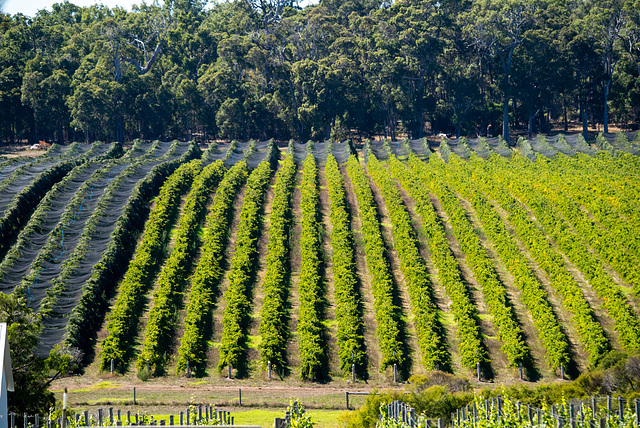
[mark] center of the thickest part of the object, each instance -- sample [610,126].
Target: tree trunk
[585,124]
[606,110]
[505,120]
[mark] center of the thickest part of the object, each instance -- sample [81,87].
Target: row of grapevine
[242,271]
[350,338]
[88,278]
[198,320]
[313,356]
[63,239]
[509,331]
[611,243]
[158,342]
[33,236]
[389,326]
[590,332]
[274,327]
[554,341]
[428,329]
[123,320]
[626,321]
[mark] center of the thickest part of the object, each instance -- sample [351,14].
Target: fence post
[171,420]
[269,369]
[621,408]
[637,412]
[240,397]
[609,406]
[518,410]
[594,407]
[487,408]
[499,397]
[134,395]
[521,372]
[478,369]
[128,417]
[395,373]
[346,393]
[36,422]
[603,423]
[111,415]
[100,417]
[475,413]
[572,415]
[181,418]
[188,370]
[86,418]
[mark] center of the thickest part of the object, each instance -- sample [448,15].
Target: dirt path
[253,353]
[330,325]
[371,342]
[386,228]
[220,301]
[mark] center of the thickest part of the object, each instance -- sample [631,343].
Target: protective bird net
[99,220]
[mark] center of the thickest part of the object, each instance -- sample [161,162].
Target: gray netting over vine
[577,142]
[255,153]
[622,141]
[341,151]
[559,142]
[541,145]
[460,147]
[31,240]
[98,229]
[25,174]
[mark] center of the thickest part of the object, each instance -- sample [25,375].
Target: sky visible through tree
[31,7]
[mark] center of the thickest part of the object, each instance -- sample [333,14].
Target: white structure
[6,383]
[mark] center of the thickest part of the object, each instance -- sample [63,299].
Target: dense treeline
[246,69]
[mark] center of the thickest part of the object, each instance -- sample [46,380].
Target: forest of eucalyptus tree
[338,69]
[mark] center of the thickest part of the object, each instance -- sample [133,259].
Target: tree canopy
[358,68]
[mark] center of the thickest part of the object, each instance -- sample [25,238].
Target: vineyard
[324,261]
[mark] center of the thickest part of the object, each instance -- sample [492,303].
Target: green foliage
[123,320]
[351,348]
[193,346]
[32,374]
[313,356]
[414,268]
[158,343]
[242,272]
[274,326]
[389,328]
[88,314]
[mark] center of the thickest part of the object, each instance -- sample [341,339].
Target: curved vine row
[193,346]
[242,271]
[274,328]
[123,320]
[387,313]
[157,345]
[350,338]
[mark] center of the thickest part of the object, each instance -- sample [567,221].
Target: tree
[32,373]
[498,27]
